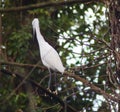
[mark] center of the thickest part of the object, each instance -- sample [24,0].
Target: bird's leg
[50,76]
[49,82]
[55,77]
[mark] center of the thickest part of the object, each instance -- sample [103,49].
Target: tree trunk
[31,105]
[30,94]
[114,19]
[0,39]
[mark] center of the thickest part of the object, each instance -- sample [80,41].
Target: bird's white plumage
[49,55]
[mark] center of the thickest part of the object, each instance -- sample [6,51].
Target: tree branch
[45,4]
[21,64]
[40,88]
[78,68]
[93,87]
[87,83]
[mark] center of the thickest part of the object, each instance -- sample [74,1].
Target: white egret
[49,55]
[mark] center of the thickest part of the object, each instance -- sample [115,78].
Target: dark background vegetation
[86,35]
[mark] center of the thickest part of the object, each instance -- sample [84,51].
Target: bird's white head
[35,23]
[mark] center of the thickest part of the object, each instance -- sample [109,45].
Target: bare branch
[84,67]
[22,64]
[44,5]
[93,87]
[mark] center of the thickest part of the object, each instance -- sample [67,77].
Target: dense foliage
[80,33]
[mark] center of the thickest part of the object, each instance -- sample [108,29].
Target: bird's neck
[39,36]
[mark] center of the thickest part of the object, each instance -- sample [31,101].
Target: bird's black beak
[34,33]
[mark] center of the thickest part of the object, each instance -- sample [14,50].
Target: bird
[49,56]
